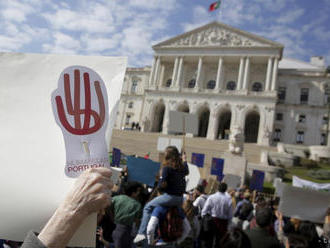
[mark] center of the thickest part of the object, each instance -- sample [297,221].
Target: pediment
[216,34]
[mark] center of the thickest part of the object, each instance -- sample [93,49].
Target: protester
[219,207]
[260,234]
[236,238]
[200,198]
[172,227]
[172,183]
[244,210]
[126,210]
[91,193]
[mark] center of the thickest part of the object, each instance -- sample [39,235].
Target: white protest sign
[162,143]
[193,177]
[304,204]
[301,183]
[32,147]
[81,95]
[177,143]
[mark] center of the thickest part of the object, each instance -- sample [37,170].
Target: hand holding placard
[82,117]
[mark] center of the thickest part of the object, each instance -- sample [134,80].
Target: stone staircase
[134,142]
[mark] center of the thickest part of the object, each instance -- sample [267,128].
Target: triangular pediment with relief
[217,34]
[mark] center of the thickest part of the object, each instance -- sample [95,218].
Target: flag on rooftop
[214,6]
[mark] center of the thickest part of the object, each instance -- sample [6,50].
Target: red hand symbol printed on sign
[75,109]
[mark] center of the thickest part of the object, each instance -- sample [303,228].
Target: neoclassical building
[231,79]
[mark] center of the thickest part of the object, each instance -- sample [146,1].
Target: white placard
[304,204]
[162,143]
[32,151]
[177,143]
[193,177]
[180,122]
[116,171]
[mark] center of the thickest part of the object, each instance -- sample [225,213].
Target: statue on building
[236,141]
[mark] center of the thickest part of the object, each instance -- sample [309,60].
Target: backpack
[171,227]
[245,210]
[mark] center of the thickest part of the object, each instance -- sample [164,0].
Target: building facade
[232,80]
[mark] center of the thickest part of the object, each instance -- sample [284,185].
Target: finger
[102,171]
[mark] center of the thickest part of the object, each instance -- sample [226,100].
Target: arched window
[210,84]
[168,83]
[257,87]
[231,85]
[134,86]
[192,83]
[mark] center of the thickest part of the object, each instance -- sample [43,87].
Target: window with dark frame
[281,92]
[325,120]
[134,86]
[323,139]
[231,85]
[279,116]
[302,119]
[130,105]
[304,95]
[277,135]
[192,83]
[210,84]
[168,83]
[257,87]
[300,137]
[128,117]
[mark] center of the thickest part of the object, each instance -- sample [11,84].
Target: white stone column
[152,71]
[246,74]
[219,72]
[269,73]
[161,77]
[211,130]
[179,74]
[123,114]
[156,75]
[274,78]
[175,68]
[166,118]
[240,74]
[199,73]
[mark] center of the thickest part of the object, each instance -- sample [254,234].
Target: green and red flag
[214,5]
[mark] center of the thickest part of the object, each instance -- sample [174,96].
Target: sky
[130,27]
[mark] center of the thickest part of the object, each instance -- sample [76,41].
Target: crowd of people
[135,215]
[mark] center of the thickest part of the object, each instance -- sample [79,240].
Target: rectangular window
[300,137]
[325,120]
[128,117]
[281,94]
[323,139]
[279,116]
[134,86]
[130,105]
[304,95]
[302,119]
[277,135]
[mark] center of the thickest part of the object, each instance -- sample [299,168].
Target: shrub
[319,174]
[308,163]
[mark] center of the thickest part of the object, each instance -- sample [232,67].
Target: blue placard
[142,170]
[217,166]
[220,177]
[116,155]
[257,180]
[198,159]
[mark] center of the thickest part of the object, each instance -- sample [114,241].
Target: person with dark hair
[219,207]
[172,184]
[199,198]
[307,229]
[235,238]
[126,210]
[244,210]
[260,234]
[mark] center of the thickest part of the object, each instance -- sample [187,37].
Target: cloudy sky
[131,27]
